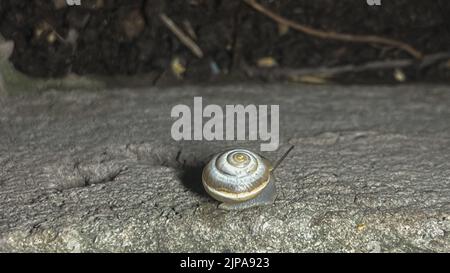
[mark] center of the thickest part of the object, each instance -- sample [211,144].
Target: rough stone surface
[98,171]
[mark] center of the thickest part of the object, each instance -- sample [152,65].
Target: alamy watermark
[374,2]
[240,122]
[73,2]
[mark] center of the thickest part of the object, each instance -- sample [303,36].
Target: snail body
[239,179]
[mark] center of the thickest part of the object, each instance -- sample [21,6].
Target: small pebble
[399,75]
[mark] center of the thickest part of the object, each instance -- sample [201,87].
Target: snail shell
[240,179]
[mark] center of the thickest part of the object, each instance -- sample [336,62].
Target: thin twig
[189,29]
[331,71]
[334,35]
[56,32]
[326,71]
[185,39]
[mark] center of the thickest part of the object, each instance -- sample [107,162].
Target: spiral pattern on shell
[236,175]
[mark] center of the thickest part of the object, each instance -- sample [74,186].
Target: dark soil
[127,37]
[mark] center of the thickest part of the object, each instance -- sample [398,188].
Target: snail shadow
[191,178]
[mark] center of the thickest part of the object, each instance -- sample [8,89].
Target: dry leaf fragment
[178,68]
[266,62]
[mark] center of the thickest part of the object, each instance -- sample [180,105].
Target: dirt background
[127,37]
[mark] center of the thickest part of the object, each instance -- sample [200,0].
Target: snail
[240,179]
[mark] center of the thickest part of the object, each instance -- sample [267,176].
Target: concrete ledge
[98,171]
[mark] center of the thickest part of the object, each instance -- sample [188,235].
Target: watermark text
[234,122]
